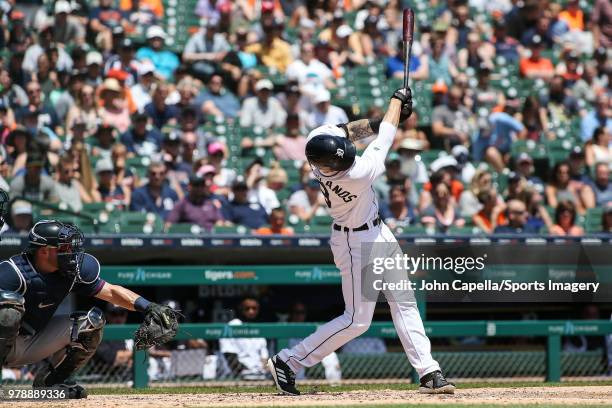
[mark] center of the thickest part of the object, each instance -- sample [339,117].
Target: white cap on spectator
[458,150]
[344,31]
[321,96]
[145,67]
[443,162]
[104,165]
[62,6]
[264,84]
[412,144]
[21,207]
[307,23]
[93,57]
[155,32]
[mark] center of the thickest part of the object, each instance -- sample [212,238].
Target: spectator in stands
[469,203]
[276,222]
[565,218]
[94,68]
[505,129]
[525,168]
[289,145]
[42,46]
[33,184]
[240,211]
[37,113]
[216,100]
[108,188]
[600,116]
[200,206]
[557,102]
[141,91]
[142,139]
[85,109]
[114,109]
[476,54]
[397,212]
[156,196]
[440,66]
[324,112]
[206,49]
[307,203]
[599,150]
[601,186]
[68,188]
[12,94]
[263,109]
[506,46]
[517,220]
[419,69]
[484,95]
[103,19]
[452,122]
[21,217]
[246,357]
[560,188]
[124,60]
[538,216]
[311,74]
[535,66]
[158,110]
[115,355]
[492,212]
[588,87]
[66,29]
[442,213]
[273,51]
[165,62]
[535,119]
[104,139]
[465,169]
[178,172]
[601,24]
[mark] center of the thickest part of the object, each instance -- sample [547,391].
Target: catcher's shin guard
[11,312]
[84,340]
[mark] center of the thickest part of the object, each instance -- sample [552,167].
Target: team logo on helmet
[340,153]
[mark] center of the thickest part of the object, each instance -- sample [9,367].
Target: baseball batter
[346,182]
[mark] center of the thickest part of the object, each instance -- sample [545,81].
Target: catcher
[32,286]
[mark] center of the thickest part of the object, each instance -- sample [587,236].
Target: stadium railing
[552,330]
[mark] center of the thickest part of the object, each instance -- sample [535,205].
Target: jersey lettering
[346,196]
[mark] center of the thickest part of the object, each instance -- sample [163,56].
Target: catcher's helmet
[334,152]
[68,240]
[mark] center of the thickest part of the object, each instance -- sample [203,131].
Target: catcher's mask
[68,240]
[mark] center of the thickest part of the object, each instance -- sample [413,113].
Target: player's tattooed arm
[360,129]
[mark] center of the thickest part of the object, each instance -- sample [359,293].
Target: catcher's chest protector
[43,293]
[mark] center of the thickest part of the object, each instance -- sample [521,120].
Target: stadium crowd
[100,103]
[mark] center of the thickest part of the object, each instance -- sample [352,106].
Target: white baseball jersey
[349,194]
[352,203]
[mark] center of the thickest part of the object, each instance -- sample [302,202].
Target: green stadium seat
[234,229]
[184,228]
[592,222]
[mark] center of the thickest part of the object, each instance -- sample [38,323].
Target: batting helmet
[334,152]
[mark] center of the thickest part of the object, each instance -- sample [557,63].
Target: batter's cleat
[283,376]
[435,383]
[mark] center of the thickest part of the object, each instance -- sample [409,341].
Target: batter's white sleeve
[371,164]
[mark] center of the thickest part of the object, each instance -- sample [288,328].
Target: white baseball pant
[357,316]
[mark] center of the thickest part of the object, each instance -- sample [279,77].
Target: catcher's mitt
[159,326]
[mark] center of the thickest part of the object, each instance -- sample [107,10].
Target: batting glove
[404,95]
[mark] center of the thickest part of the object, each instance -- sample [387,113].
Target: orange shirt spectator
[574,17]
[277,224]
[482,217]
[155,6]
[456,188]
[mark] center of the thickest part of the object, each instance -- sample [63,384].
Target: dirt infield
[567,396]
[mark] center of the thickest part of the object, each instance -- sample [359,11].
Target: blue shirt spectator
[242,212]
[165,62]
[217,100]
[601,186]
[142,139]
[504,126]
[156,196]
[596,118]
